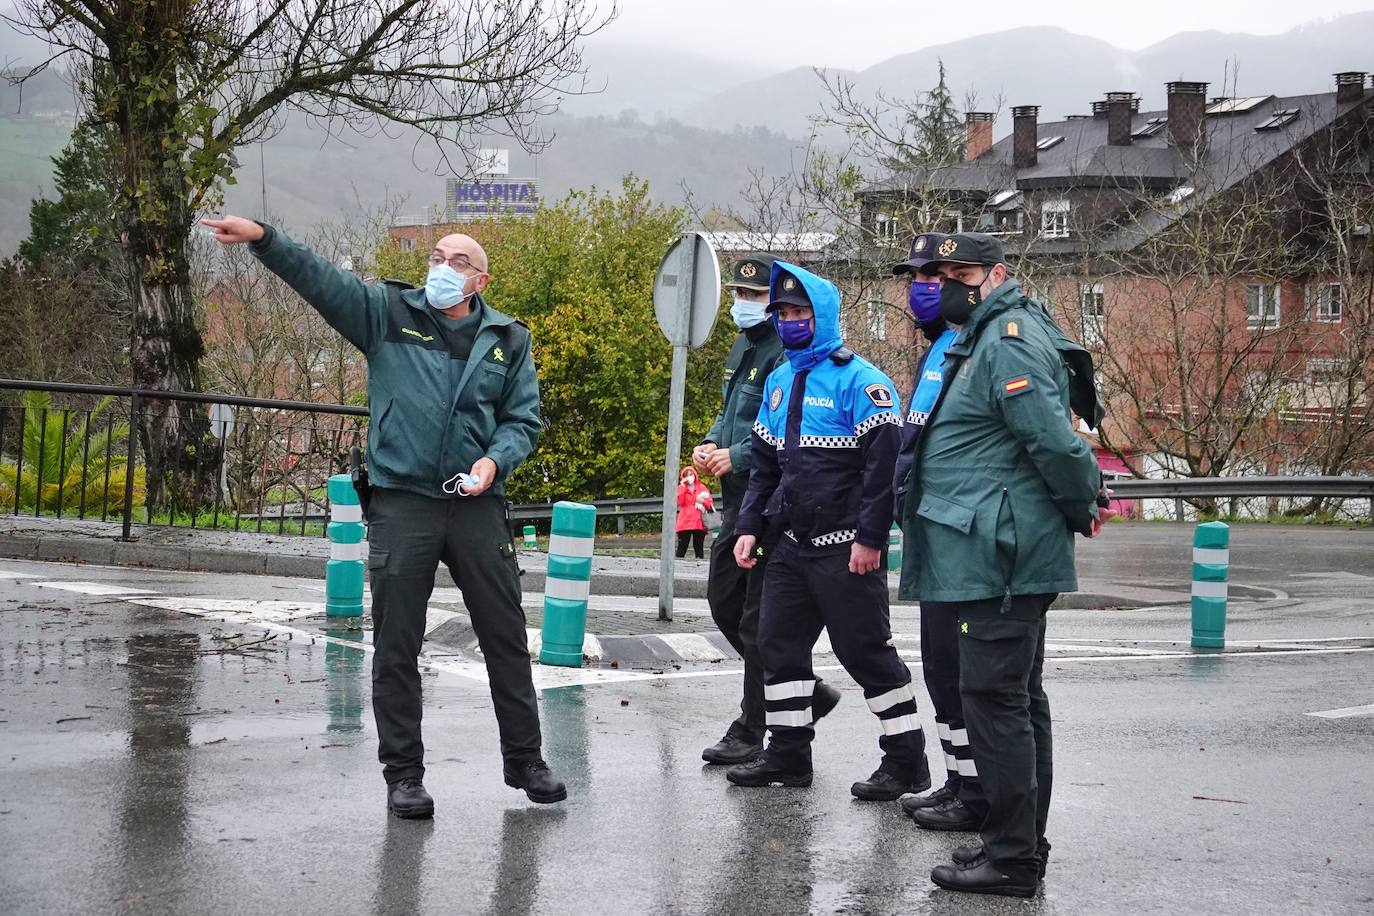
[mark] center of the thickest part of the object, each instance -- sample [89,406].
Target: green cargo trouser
[408,536]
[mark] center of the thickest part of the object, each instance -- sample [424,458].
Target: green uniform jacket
[756,352]
[433,415]
[1001,480]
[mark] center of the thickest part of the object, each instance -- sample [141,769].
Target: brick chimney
[1024,135]
[1119,105]
[978,130]
[1349,86]
[1187,115]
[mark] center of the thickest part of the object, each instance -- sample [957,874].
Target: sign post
[686,300]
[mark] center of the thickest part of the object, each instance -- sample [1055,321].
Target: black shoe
[407,798]
[969,856]
[732,749]
[764,771]
[885,786]
[537,781]
[823,699]
[964,856]
[983,878]
[950,815]
[941,795]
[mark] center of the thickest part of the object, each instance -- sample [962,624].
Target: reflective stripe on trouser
[940,669]
[802,595]
[409,535]
[1007,714]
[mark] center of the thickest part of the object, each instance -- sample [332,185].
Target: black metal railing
[273,457]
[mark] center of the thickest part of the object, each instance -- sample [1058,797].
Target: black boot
[407,798]
[941,795]
[983,877]
[823,700]
[732,749]
[765,771]
[538,782]
[884,785]
[951,815]
[966,856]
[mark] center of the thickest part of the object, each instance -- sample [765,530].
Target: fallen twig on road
[1229,801]
[73,719]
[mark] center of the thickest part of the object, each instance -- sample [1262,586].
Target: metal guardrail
[259,496]
[1198,487]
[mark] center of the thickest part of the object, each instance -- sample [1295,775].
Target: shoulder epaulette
[842,356]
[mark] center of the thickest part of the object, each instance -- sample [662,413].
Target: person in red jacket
[692,500]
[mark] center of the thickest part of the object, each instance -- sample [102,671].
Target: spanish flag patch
[1017,385]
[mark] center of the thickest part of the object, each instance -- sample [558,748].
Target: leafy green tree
[78,231]
[580,273]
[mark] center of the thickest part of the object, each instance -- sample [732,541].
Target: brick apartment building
[1216,255]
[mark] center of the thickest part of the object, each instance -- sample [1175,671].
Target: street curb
[110,552]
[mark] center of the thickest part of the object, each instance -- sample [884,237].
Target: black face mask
[958,300]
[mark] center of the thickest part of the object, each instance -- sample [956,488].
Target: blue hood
[825,302]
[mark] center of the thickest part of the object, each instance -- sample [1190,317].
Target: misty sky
[859,33]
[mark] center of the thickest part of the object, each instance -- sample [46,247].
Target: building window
[886,227]
[877,318]
[1325,301]
[1262,306]
[1054,219]
[1094,313]
[1325,371]
[951,221]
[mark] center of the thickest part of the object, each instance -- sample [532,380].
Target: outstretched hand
[234,230]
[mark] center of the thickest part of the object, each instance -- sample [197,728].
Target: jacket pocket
[946,512]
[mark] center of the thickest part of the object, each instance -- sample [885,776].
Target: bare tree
[186,82]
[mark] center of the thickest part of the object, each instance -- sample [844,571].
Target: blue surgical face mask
[747,314]
[444,287]
[795,334]
[924,300]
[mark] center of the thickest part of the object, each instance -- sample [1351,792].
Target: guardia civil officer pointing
[455,409]
[825,443]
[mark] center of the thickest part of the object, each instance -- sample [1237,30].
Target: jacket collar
[415,298]
[760,332]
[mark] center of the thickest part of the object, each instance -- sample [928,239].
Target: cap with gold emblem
[751,272]
[788,291]
[971,248]
[922,251]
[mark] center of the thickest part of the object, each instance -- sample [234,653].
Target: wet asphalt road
[145,770]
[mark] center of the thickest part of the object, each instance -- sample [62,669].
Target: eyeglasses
[458,262]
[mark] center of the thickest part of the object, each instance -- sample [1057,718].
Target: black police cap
[752,272]
[922,251]
[968,248]
[788,291]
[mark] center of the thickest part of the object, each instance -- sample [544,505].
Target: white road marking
[10,574]
[1348,712]
[94,588]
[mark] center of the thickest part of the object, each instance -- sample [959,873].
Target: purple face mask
[924,300]
[795,334]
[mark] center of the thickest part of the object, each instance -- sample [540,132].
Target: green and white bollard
[530,540]
[894,549]
[568,583]
[1211,566]
[343,574]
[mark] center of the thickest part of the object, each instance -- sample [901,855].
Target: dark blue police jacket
[826,439]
